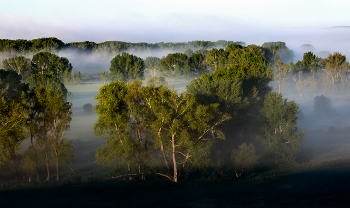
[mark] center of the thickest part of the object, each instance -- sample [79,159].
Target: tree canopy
[127,67]
[48,63]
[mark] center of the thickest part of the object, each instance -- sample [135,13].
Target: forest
[186,111]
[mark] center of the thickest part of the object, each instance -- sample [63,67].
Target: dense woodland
[231,116]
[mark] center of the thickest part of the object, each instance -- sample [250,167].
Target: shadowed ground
[327,187]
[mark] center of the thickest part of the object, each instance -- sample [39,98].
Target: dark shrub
[88,108]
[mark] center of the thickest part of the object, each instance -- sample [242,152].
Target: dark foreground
[328,187]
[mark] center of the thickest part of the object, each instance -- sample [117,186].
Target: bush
[88,108]
[244,158]
[323,105]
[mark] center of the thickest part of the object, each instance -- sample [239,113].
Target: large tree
[337,69]
[12,129]
[277,128]
[281,72]
[10,83]
[127,67]
[20,64]
[13,114]
[51,118]
[173,63]
[48,63]
[177,126]
[49,81]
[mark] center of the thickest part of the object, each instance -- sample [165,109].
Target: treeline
[313,75]
[191,64]
[54,45]
[211,128]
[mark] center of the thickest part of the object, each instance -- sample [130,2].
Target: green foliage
[104,77]
[244,159]
[10,85]
[188,52]
[203,52]
[49,81]
[24,47]
[337,70]
[141,119]
[49,118]
[197,63]
[281,73]
[216,58]
[152,64]
[169,63]
[277,128]
[79,79]
[127,67]
[19,64]
[277,51]
[310,64]
[187,72]
[82,47]
[68,77]
[45,62]
[12,129]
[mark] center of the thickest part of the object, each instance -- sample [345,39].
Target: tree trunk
[174,158]
[48,169]
[35,158]
[58,172]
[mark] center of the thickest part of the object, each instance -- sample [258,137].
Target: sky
[252,21]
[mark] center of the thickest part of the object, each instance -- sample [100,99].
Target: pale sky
[252,21]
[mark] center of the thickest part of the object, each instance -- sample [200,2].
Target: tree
[197,63]
[244,159]
[135,117]
[118,117]
[67,77]
[278,129]
[216,58]
[45,62]
[188,52]
[187,72]
[12,129]
[127,67]
[281,73]
[49,81]
[277,50]
[55,116]
[72,79]
[152,64]
[337,69]
[10,84]
[104,77]
[79,79]
[323,105]
[88,108]
[169,63]
[19,64]
[183,128]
